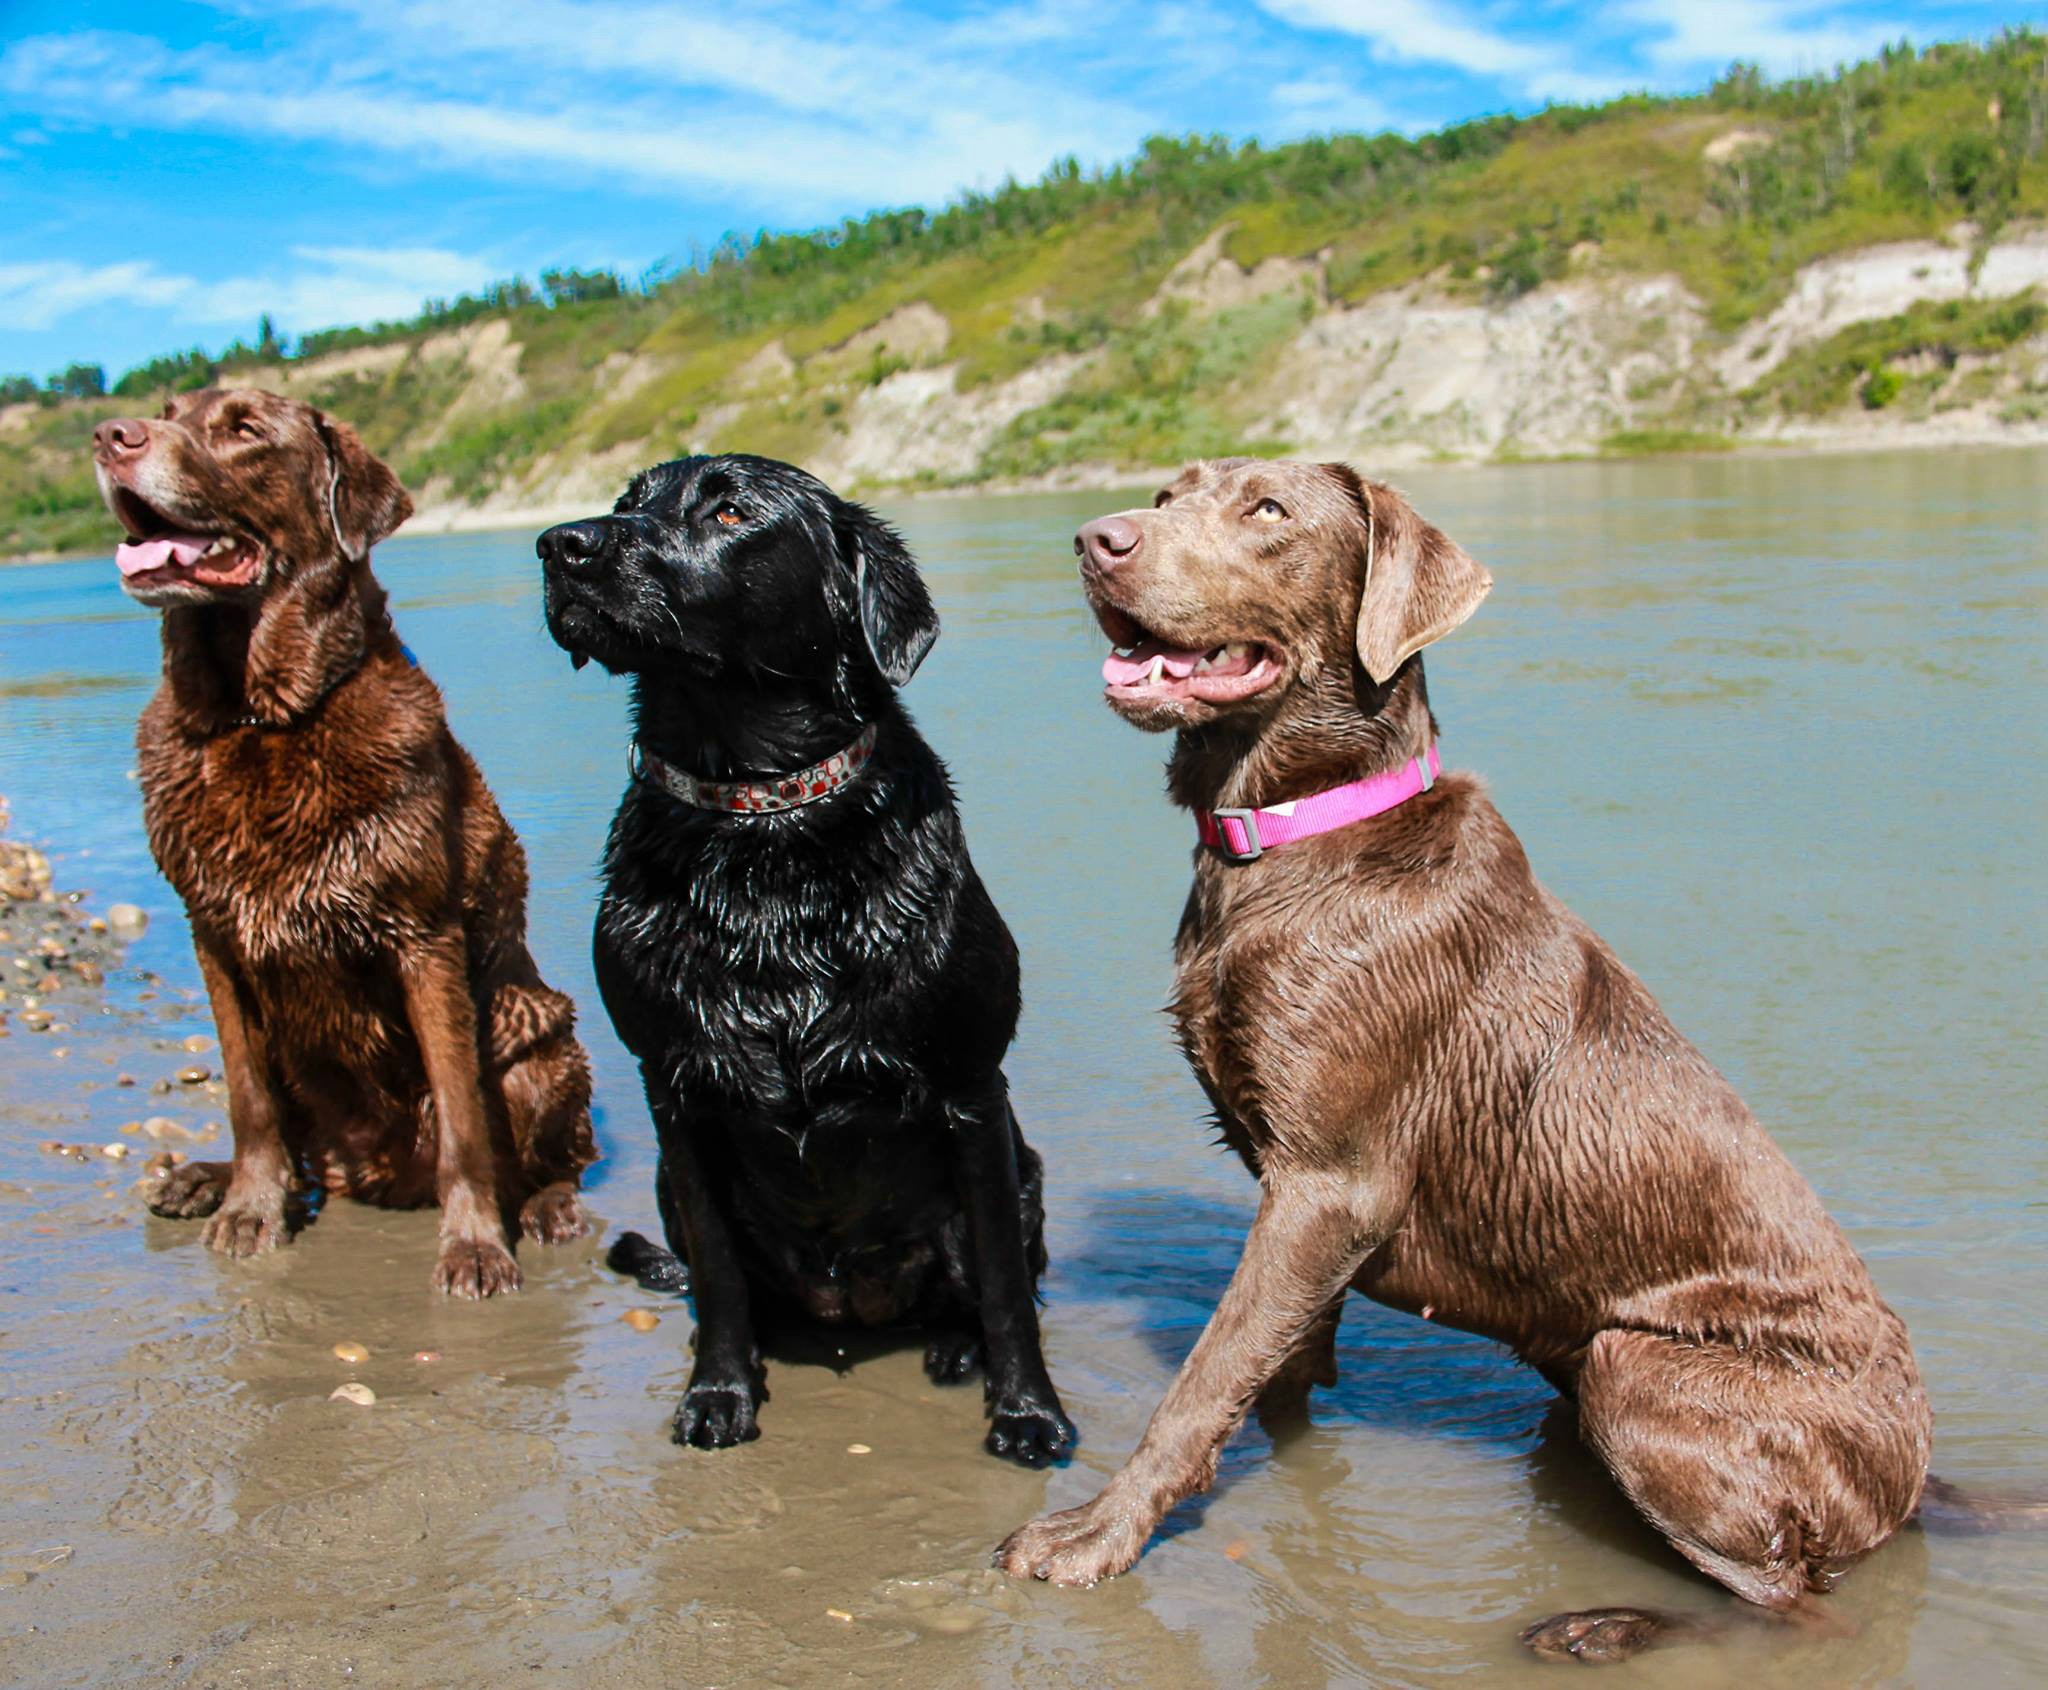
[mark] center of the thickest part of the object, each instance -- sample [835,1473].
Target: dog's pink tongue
[138,557]
[1121,671]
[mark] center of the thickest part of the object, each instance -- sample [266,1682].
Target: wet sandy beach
[1776,729]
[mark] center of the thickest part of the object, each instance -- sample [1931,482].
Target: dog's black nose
[571,544]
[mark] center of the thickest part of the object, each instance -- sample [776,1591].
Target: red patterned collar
[755,797]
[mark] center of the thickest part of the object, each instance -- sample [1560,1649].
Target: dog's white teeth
[1156,673]
[1235,650]
[1124,650]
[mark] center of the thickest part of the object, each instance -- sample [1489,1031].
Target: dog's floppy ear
[896,612]
[1418,584]
[364,499]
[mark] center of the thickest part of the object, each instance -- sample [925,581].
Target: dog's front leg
[476,1256]
[1026,1422]
[1308,1239]
[722,1401]
[247,1206]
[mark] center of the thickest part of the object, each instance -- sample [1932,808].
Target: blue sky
[170,170]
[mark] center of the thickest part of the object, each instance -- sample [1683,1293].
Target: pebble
[162,1126]
[198,1042]
[426,1355]
[361,1395]
[124,1079]
[1235,1550]
[350,1353]
[127,920]
[98,924]
[955,1621]
[37,1020]
[115,1152]
[193,1076]
[839,1614]
[859,1449]
[641,1320]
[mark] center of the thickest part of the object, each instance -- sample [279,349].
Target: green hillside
[793,345]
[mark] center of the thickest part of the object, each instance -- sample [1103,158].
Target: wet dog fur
[1454,1096]
[357,901]
[820,998]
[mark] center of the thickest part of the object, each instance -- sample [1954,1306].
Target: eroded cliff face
[1917,342]
[1598,361]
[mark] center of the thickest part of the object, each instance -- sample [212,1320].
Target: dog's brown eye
[726,516]
[1268,510]
[248,429]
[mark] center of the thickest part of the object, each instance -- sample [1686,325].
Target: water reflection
[1775,727]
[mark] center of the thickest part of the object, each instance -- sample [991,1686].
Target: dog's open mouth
[1143,668]
[161,552]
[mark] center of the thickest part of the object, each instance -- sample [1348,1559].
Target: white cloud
[847,131]
[1416,31]
[1330,102]
[1785,37]
[334,285]
[320,288]
[34,296]
[1590,54]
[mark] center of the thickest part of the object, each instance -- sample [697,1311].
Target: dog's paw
[655,1268]
[246,1227]
[952,1357]
[186,1193]
[553,1215]
[1029,1433]
[717,1416]
[1599,1636]
[475,1268]
[1079,1547]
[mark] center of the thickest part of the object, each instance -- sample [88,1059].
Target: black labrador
[794,943]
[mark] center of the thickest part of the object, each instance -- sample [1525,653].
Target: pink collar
[1243,835]
[755,797]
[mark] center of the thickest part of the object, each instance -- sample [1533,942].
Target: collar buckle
[1248,822]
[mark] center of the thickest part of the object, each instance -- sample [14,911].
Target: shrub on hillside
[1881,385]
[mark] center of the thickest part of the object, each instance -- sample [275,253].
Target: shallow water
[1775,727]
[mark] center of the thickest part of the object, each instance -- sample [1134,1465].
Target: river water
[1774,726]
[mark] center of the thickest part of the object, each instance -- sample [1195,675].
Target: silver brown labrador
[1455,1099]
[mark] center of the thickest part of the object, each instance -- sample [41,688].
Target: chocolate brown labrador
[1454,1097]
[357,902]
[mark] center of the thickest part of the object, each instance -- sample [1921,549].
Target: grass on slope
[48,500]
[1899,361]
[1159,394]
